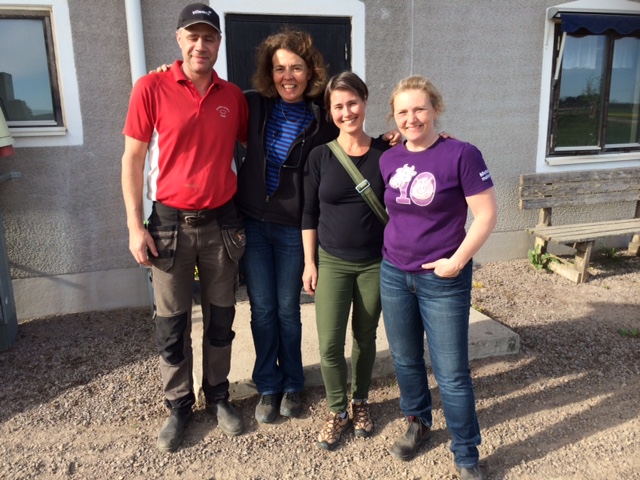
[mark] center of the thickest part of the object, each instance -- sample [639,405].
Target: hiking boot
[470,473]
[171,433]
[291,405]
[229,419]
[406,447]
[362,423]
[267,408]
[332,431]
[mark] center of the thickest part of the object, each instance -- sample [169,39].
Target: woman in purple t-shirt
[425,277]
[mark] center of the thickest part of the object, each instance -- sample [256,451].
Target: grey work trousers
[180,249]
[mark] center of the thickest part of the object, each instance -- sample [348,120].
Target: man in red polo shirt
[188,121]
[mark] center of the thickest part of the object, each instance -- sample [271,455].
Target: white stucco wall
[65,221]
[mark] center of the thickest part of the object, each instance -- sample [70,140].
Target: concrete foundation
[487,338]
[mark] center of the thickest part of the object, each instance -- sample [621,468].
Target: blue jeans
[413,304]
[273,264]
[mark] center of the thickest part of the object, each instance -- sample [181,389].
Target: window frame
[601,145]
[45,17]
[608,158]
[71,132]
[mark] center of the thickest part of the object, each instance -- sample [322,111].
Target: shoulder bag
[363,187]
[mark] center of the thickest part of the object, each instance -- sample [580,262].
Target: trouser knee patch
[170,337]
[219,332]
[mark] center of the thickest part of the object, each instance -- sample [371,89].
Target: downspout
[411,33]
[138,64]
[136,39]
[138,69]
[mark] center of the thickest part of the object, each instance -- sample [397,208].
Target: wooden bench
[548,190]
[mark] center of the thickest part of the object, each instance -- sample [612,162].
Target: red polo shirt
[191,138]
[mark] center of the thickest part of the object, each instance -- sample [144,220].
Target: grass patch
[538,259]
[610,254]
[629,333]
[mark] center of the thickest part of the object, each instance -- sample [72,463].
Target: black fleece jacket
[285,205]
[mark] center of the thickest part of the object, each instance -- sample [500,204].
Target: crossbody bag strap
[363,187]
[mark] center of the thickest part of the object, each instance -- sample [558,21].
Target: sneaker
[267,408]
[171,433]
[229,419]
[362,423]
[332,431]
[470,473]
[406,447]
[291,405]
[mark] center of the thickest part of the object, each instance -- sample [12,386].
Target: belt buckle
[193,220]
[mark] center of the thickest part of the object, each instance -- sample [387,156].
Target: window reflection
[581,91]
[624,100]
[25,84]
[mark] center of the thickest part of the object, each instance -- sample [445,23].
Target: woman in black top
[350,247]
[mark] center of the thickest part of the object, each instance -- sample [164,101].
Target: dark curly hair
[301,44]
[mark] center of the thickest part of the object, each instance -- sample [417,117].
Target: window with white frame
[595,90]
[29,93]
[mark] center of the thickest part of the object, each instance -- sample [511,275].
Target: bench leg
[543,245]
[634,246]
[581,260]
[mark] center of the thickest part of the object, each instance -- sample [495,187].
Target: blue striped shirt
[286,122]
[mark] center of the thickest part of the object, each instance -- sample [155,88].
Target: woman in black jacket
[286,121]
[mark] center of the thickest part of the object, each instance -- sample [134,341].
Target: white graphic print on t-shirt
[423,187]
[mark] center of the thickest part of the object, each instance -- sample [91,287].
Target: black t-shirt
[347,227]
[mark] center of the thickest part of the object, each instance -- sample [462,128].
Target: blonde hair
[418,82]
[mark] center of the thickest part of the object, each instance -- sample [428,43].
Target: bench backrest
[547,190]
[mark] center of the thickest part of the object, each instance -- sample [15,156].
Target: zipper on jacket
[295,143]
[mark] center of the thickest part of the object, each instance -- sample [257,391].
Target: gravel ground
[80,397]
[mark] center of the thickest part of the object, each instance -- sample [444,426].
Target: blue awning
[599,24]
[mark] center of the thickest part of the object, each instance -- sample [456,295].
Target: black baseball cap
[198,13]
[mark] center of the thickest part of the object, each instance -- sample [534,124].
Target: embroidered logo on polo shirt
[485,175]
[223,111]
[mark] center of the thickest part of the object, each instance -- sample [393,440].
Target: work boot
[406,447]
[267,408]
[171,433]
[229,419]
[470,473]
[291,405]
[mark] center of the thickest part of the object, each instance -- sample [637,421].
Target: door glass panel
[581,91]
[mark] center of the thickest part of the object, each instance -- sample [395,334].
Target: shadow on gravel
[599,382]
[55,354]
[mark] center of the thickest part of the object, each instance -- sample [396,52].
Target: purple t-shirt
[425,196]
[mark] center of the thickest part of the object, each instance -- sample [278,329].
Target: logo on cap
[198,13]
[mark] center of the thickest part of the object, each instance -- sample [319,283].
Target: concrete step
[487,338]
